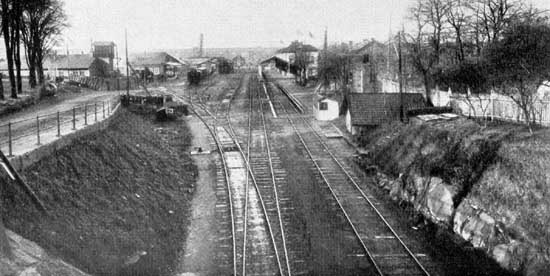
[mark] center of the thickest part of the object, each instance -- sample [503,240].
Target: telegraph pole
[127,65]
[401,109]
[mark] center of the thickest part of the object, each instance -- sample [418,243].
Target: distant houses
[83,65]
[291,58]
[239,61]
[159,64]
[202,64]
[4,68]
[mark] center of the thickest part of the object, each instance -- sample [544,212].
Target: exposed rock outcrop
[433,168]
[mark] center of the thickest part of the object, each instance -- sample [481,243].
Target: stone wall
[410,173]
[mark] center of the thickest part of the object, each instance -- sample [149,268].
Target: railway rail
[255,213]
[384,248]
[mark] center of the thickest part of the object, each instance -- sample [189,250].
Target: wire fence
[22,133]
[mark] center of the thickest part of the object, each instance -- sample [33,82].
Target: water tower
[104,50]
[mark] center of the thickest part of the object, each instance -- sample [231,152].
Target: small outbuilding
[326,109]
[372,109]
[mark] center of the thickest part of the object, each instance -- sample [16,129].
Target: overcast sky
[169,24]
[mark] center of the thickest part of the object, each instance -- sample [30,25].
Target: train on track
[196,75]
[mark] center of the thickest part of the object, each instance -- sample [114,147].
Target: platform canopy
[281,64]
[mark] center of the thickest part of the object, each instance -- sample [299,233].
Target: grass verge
[118,199]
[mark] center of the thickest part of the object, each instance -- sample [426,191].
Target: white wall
[327,115]
[348,122]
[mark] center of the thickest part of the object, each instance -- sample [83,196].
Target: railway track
[384,249]
[257,215]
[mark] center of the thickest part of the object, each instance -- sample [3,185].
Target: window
[323,106]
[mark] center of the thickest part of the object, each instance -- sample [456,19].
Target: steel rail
[247,179]
[268,144]
[348,175]
[411,254]
[346,215]
[232,133]
[214,135]
[234,137]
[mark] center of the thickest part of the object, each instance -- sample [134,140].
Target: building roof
[155,58]
[103,43]
[198,60]
[275,59]
[324,98]
[69,62]
[295,46]
[368,47]
[377,108]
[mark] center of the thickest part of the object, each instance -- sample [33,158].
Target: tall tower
[201,45]
[325,45]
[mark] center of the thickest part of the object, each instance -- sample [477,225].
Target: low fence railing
[22,133]
[501,109]
[108,84]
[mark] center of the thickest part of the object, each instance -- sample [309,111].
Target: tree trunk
[9,50]
[1,86]
[17,44]
[39,67]
[426,77]
[17,59]
[9,57]
[32,69]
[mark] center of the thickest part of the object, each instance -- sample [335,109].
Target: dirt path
[52,106]
[200,244]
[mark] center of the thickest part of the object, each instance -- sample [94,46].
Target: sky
[176,24]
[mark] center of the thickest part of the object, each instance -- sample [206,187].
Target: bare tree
[43,21]
[424,45]
[458,16]
[495,16]
[7,14]
[301,63]
[519,63]
[433,13]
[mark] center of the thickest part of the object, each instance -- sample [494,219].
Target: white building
[288,55]
[326,109]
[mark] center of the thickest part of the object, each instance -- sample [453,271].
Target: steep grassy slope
[490,185]
[118,199]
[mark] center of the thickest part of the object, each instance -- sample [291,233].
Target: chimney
[201,45]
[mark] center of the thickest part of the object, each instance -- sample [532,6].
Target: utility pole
[401,109]
[201,45]
[127,65]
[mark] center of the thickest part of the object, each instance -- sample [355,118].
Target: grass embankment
[501,167]
[517,186]
[118,200]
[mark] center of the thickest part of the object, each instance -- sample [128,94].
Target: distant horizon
[154,25]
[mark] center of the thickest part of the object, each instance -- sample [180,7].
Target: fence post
[103,108]
[37,130]
[58,126]
[10,149]
[109,108]
[95,112]
[85,114]
[74,118]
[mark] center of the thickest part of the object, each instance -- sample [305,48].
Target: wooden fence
[108,84]
[498,106]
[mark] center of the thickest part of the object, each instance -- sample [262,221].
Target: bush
[430,110]
[47,90]
[463,76]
